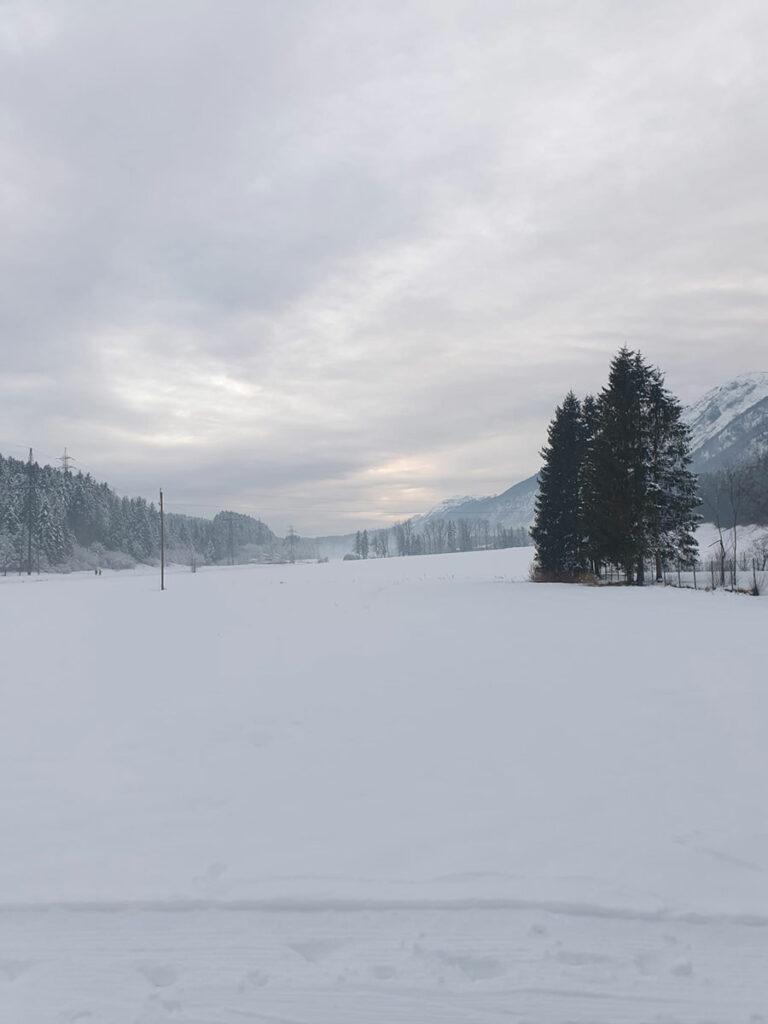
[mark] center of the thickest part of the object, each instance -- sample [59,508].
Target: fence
[744,575]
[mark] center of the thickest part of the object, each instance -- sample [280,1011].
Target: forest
[52,518]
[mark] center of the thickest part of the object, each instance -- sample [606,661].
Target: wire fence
[745,575]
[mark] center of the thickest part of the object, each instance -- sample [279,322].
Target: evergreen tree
[590,416]
[672,489]
[558,527]
[619,466]
[638,495]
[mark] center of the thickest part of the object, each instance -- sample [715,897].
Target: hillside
[78,522]
[206,820]
[729,424]
[512,508]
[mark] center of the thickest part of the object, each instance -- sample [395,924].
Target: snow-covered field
[415,790]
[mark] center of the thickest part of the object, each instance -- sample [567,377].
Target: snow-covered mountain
[511,508]
[729,423]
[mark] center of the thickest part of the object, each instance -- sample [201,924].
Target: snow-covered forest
[55,519]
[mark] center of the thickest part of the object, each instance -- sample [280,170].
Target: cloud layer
[332,261]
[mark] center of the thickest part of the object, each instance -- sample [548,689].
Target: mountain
[511,508]
[729,424]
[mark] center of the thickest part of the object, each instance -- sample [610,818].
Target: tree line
[616,489]
[439,536]
[55,518]
[736,495]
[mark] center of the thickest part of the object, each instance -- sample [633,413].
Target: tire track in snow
[283,905]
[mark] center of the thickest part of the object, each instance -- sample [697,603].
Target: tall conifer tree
[672,489]
[618,466]
[558,527]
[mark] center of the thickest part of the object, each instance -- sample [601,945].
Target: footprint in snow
[261,738]
[476,968]
[315,950]
[210,877]
[577,959]
[10,970]
[257,978]
[159,975]
[383,972]
[681,968]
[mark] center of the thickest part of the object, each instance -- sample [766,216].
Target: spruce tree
[638,493]
[618,467]
[671,517]
[558,530]
[590,415]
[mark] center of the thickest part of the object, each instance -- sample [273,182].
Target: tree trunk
[659,573]
[640,573]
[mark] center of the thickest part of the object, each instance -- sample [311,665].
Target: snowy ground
[412,790]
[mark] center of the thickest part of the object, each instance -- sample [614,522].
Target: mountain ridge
[729,423]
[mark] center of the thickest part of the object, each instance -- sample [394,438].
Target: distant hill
[512,508]
[500,520]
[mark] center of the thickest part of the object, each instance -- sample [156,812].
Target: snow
[414,789]
[746,536]
[716,409]
[442,508]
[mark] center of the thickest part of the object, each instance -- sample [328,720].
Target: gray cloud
[332,261]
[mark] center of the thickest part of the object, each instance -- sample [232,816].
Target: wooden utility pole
[30,509]
[162,542]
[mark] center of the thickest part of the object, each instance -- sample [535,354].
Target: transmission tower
[65,460]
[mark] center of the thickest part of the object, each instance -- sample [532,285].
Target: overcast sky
[331,262]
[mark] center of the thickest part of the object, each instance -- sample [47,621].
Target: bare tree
[734,489]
